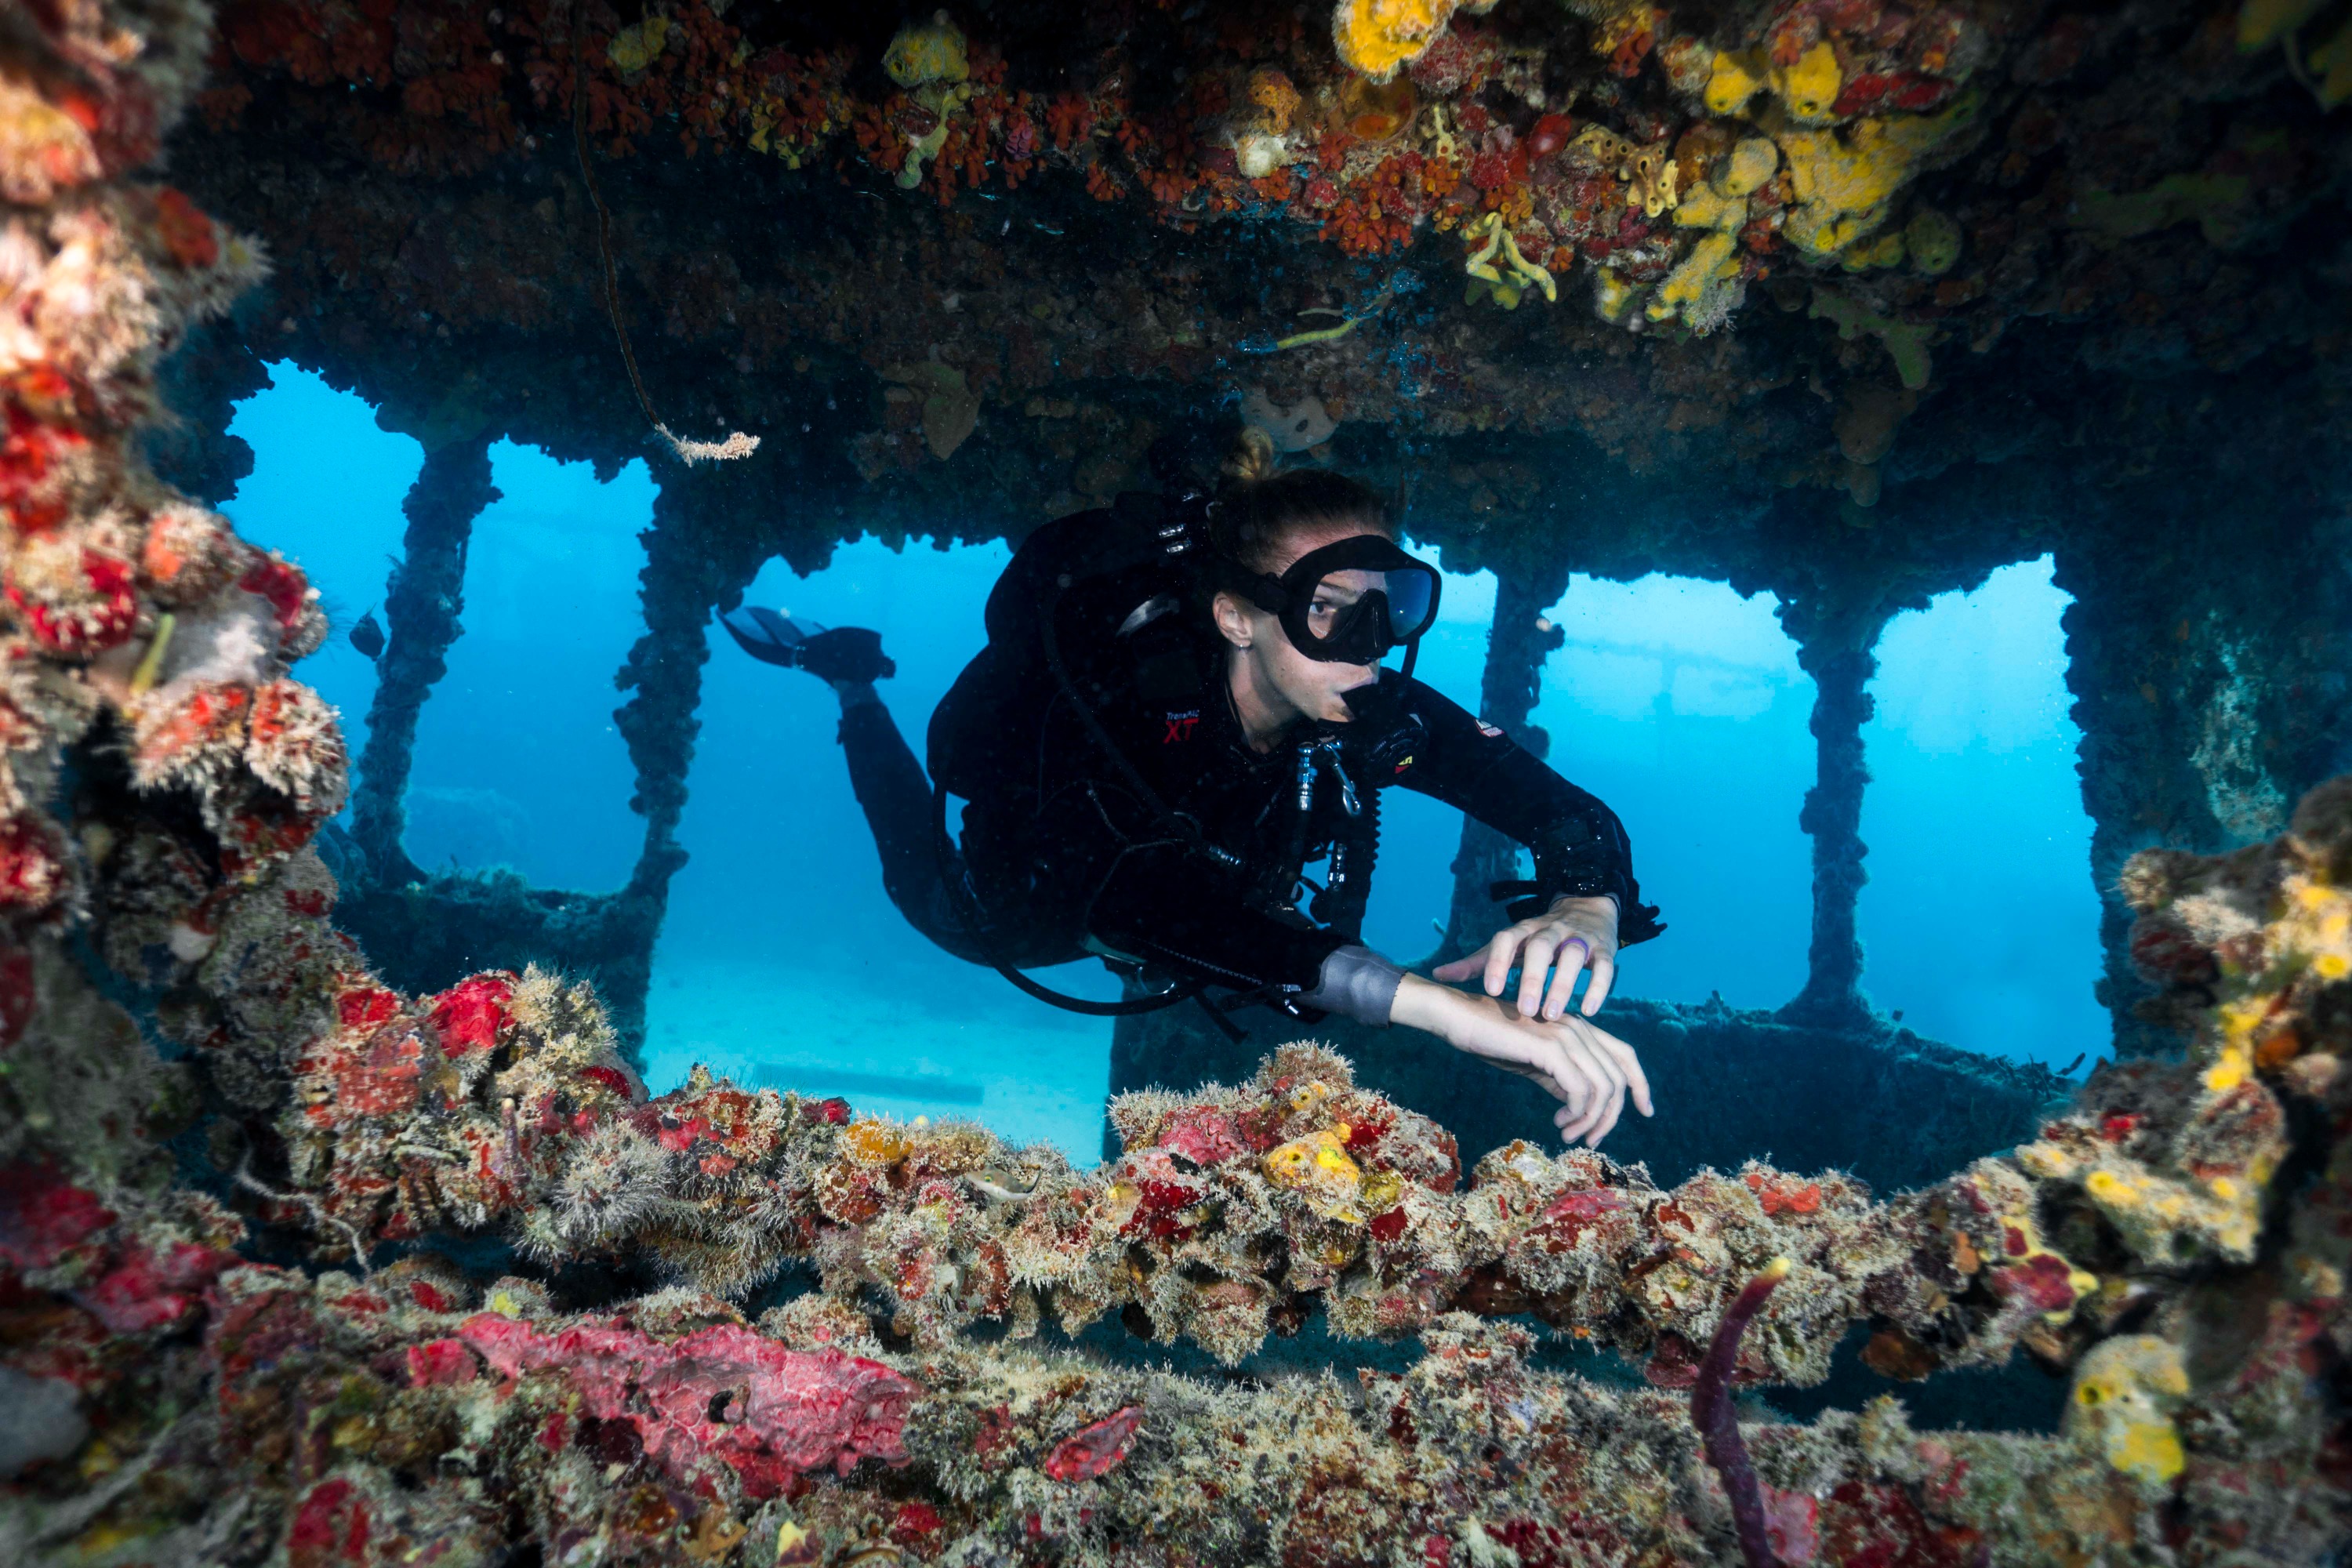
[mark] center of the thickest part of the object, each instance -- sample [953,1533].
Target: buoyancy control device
[1092,610]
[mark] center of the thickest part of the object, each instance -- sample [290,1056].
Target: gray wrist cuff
[1357,983]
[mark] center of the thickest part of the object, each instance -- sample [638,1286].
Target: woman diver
[1155,748]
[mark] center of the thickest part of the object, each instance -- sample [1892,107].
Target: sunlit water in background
[1676,701]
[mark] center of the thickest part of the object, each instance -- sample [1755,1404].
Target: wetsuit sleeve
[1579,845]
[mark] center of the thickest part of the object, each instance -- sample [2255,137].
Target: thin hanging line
[737,445]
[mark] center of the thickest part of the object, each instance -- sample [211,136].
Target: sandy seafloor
[775,1026]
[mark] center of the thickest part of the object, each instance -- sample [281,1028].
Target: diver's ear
[1232,620]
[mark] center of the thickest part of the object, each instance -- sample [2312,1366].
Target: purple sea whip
[1718,1423]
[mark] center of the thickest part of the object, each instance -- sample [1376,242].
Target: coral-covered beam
[663,674]
[2208,701]
[1232,1210]
[667,1418]
[429,222]
[710,537]
[1836,650]
[704,549]
[1517,643]
[350,1422]
[706,545]
[1655,165]
[421,607]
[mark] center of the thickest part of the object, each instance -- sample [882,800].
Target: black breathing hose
[975,920]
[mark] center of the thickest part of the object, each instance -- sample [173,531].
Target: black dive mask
[1331,613]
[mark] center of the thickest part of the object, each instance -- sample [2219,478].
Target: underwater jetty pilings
[703,549]
[427,927]
[1517,643]
[2212,682]
[687,573]
[706,545]
[421,607]
[1837,635]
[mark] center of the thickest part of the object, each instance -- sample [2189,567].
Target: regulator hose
[975,918]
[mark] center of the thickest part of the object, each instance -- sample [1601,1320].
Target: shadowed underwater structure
[337,1224]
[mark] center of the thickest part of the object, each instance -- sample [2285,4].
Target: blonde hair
[1252,460]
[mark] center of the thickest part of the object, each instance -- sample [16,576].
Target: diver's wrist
[1422,1003]
[1564,900]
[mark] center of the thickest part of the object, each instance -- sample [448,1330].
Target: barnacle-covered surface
[1771,253]
[2175,1242]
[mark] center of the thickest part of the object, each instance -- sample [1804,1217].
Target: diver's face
[1266,661]
[1316,686]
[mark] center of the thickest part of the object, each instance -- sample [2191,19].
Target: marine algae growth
[358,1271]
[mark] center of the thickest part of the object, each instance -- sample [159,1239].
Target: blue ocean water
[1677,701]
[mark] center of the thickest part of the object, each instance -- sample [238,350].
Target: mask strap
[1256,588]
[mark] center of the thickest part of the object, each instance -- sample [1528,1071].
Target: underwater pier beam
[1516,646]
[2208,700]
[421,605]
[709,535]
[1837,649]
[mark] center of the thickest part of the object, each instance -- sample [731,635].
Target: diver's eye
[1332,598]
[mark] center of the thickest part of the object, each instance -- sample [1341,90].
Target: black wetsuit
[1066,857]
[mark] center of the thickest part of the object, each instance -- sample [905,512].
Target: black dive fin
[768,637]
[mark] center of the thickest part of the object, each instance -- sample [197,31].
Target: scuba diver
[1180,709]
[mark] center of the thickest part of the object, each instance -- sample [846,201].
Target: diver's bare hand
[1589,1070]
[1549,949]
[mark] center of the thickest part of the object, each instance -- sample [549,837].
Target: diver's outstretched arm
[1589,1070]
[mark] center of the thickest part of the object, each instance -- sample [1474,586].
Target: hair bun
[1251,459]
[1261,508]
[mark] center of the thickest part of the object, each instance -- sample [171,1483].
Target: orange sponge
[1376,36]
